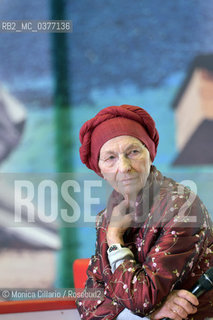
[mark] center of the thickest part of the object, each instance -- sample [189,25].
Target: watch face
[113,248]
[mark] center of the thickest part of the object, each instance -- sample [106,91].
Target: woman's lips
[128,180]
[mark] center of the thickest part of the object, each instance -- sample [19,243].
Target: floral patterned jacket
[172,246]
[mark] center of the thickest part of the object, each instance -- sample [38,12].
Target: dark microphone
[204,284]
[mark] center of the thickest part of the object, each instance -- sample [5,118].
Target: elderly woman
[154,240]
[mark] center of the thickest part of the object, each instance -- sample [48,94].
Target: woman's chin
[129,192]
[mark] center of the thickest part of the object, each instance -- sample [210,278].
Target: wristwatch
[115,247]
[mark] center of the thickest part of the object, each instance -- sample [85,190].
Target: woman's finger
[185,304]
[188,296]
[174,315]
[179,311]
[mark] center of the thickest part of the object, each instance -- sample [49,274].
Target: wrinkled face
[125,163]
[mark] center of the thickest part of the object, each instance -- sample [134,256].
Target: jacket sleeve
[143,287]
[101,306]
[170,261]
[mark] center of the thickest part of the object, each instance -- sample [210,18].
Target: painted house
[194,114]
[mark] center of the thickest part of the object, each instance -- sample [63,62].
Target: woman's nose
[124,164]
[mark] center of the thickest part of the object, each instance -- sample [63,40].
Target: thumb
[123,206]
[128,219]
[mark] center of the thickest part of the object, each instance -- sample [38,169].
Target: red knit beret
[116,121]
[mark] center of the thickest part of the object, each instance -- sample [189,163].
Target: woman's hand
[178,305]
[119,223]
